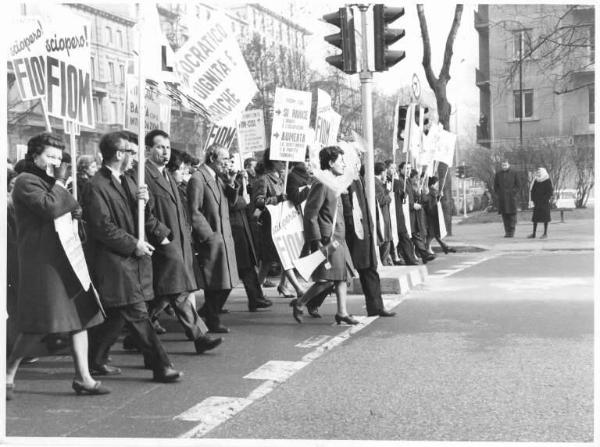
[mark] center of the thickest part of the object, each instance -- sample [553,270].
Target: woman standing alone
[541,193]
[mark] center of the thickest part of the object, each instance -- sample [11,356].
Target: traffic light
[402,113]
[468,171]
[344,40]
[384,36]
[460,171]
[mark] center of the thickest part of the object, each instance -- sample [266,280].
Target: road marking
[211,412]
[313,341]
[276,370]
[460,267]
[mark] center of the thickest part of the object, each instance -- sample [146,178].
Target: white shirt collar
[116,174]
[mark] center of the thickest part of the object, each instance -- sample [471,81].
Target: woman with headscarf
[50,297]
[86,168]
[323,224]
[541,193]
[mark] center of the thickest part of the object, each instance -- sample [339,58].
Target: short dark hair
[109,144]
[432,181]
[247,162]
[36,145]
[327,154]
[175,161]
[413,173]
[388,163]
[66,158]
[132,137]
[379,168]
[212,151]
[149,140]
[401,165]
[187,158]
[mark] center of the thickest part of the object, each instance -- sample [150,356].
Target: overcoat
[430,201]
[110,210]
[399,194]
[297,178]
[418,222]
[265,191]
[50,296]
[322,205]
[541,193]
[208,201]
[172,264]
[506,187]
[242,233]
[362,251]
[383,199]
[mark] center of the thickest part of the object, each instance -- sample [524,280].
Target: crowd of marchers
[206,227]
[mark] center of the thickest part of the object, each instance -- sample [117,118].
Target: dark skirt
[339,263]
[541,213]
[265,246]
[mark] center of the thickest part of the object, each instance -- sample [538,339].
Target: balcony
[481,78]
[100,88]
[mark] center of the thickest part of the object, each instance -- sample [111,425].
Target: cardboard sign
[291,116]
[328,121]
[212,69]
[220,135]
[445,148]
[158,109]
[251,132]
[27,53]
[288,232]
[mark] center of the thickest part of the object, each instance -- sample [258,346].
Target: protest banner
[291,116]
[251,133]
[158,109]
[327,122]
[287,231]
[212,69]
[27,52]
[68,79]
[221,135]
[445,147]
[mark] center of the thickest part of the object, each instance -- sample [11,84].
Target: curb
[395,280]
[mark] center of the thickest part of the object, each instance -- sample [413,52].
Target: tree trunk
[438,85]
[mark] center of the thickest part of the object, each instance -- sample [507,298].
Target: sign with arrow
[291,118]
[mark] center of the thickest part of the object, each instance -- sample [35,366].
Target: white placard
[287,231]
[158,109]
[291,116]
[251,132]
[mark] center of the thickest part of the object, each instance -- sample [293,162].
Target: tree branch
[445,71]
[431,79]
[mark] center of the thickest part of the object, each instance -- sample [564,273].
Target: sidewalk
[570,235]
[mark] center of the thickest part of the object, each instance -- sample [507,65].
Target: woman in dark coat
[430,201]
[50,296]
[541,193]
[324,223]
[268,190]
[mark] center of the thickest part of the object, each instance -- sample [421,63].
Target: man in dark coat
[383,203]
[121,263]
[172,264]
[418,224]
[211,232]
[362,250]
[406,248]
[506,188]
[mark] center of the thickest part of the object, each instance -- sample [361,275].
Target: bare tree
[583,160]
[438,84]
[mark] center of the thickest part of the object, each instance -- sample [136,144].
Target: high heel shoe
[284,292]
[347,319]
[296,311]
[97,389]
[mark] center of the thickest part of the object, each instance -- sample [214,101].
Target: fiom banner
[251,132]
[213,71]
[291,116]
[220,135]
[26,52]
[288,232]
[328,120]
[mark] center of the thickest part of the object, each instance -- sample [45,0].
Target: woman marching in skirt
[324,223]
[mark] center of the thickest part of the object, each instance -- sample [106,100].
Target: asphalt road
[494,347]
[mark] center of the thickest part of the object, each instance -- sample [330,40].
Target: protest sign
[68,234]
[327,122]
[68,79]
[291,116]
[221,135]
[158,109]
[212,69]
[441,221]
[287,231]
[27,53]
[251,133]
[445,147]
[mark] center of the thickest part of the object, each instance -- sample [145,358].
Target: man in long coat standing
[506,188]
[211,232]
[172,263]
[121,263]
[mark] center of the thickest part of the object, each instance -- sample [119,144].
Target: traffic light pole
[366,91]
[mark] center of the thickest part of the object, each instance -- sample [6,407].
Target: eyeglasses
[128,151]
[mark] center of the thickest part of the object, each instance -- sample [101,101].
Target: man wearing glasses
[120,262]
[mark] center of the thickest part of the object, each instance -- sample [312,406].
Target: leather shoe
[386,313]
[313,311]
[104,370]
[260,304]
[205,343]
[166,374]
[220,329]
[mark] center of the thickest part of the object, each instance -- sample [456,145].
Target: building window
[92,68]
[108,35]
[120,38]
[122,73]
[591,105]
[523,103]
[521,43]
[111,71]
[97,110]
[115,112]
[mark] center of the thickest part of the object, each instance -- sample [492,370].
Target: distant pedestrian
[506,188]
[541,194]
